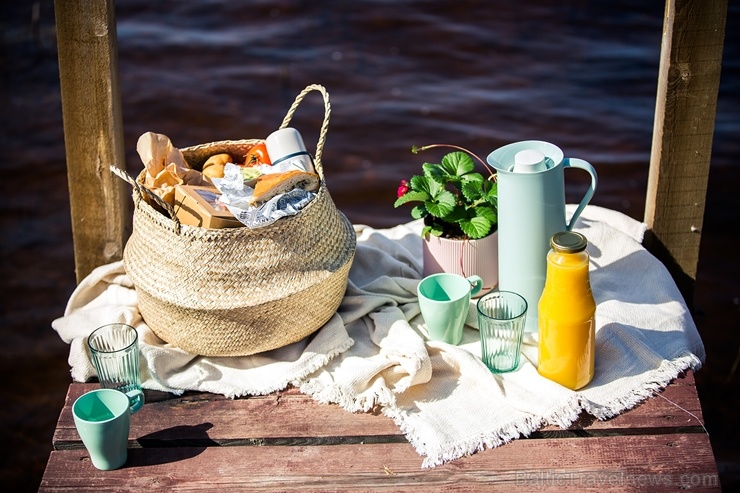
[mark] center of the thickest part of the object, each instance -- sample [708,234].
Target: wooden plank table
[288,442]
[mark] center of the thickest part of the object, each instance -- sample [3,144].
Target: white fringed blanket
[373,352]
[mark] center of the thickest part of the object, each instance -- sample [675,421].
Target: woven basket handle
[324,126]
[141,190]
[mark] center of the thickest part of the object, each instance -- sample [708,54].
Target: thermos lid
[568,242]
[529,161]
[287,144]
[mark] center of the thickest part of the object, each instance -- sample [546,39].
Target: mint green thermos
[531,208]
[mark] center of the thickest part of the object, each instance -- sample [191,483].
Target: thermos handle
[571,162]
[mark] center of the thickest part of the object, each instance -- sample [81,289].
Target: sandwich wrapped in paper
[277,191]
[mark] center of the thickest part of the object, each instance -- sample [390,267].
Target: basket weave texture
[240,291]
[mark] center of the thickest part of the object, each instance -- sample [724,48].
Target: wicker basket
[239,291]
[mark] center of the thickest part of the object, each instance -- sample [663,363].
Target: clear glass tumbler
[115,354]
[501,319]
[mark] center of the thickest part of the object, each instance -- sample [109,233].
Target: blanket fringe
[347,398]
[563,417]
[660,378]
[567,414]
[317,362]
[436,456]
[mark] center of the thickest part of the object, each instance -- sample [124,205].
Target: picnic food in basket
[239,291]
[257,155]
[250,175]
[200,206]
[269,186]
[164,166]
[214,166]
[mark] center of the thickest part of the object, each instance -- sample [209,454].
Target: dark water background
[581,74]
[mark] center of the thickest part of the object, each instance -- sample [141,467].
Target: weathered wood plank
[291,418]
[93,131]
[631,463]
[688,83]
[280,418]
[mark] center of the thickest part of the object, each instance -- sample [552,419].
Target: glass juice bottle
[566,314]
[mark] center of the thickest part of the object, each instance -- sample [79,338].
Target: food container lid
[568,242]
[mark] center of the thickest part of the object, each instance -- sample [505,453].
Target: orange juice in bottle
[566,314]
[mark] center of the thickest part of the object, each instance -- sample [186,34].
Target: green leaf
[490,188]
[433,229]
[411,196]
[436,189]
[472,177]
[429,169]
[428,185]
[441,204]
[488,213]
[459,213]
[458,163]
[437,173]
[436,229]
[419,211]
[472,190]
[476,228]
[418,183]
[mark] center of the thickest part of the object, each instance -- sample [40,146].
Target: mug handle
[135,399]
[572,162]
[476,284]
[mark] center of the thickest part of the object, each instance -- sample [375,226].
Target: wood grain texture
[291,418]
[622,463]
[688,83]
[93,131]
[286,442]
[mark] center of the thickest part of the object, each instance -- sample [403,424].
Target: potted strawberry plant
[458,206]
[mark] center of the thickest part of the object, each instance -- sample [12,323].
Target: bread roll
[270,185]
[214,166]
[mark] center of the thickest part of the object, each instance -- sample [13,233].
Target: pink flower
[403,188]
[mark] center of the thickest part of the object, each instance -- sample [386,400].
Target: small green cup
[102,418]
[444,300]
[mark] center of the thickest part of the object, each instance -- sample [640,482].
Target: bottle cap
[568,242]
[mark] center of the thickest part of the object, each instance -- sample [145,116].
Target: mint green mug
[444,300]
[102,418]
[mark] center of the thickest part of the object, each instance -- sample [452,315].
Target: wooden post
[688,83]
[93,131]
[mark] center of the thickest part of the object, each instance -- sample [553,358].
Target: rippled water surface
[478,74]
